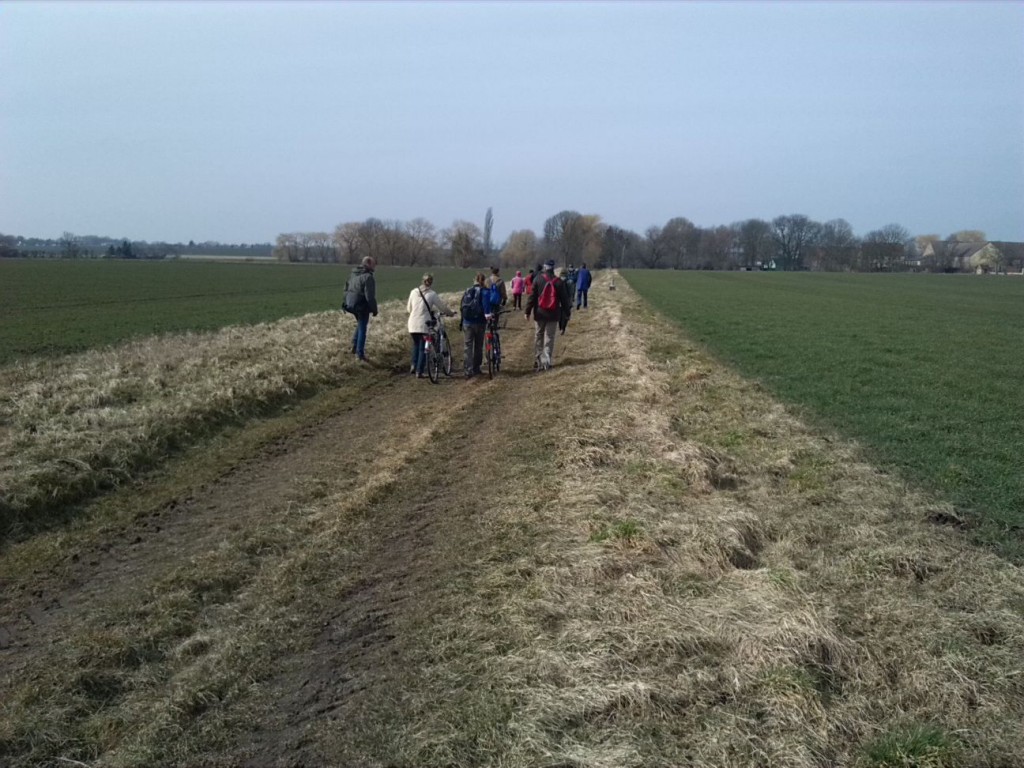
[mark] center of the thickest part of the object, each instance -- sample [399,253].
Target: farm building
[978,256]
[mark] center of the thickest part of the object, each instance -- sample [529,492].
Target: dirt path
[421,455]
[634,559]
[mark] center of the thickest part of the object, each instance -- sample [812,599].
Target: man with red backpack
[549,301]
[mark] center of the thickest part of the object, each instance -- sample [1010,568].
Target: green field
[927,371]
[57,307]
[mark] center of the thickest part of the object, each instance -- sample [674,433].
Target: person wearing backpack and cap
[548,300]
[479,302]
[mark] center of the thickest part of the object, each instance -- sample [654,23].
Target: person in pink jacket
[518,288]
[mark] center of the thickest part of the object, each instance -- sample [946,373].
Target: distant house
[977,256]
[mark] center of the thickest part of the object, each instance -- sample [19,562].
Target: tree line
[793,242]
[71,246]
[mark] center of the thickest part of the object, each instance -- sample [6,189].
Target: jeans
[517,301]
[581,297]
[419,353]
[474,348]
[359,337]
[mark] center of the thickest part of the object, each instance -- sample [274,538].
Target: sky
[238,121]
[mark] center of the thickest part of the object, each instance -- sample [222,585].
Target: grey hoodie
[361,291]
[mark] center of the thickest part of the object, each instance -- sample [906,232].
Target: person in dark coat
[361,302]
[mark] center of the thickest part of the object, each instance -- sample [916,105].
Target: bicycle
[438,349]
[492,344]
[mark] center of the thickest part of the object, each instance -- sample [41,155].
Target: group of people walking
[549,299]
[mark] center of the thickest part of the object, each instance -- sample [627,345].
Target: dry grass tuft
[725,588]
[75,425]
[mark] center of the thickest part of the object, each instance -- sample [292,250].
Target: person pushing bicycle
[422,305]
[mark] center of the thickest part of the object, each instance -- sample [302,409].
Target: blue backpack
[473,305]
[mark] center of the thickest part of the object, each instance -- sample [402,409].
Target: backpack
[473,305]
[548,300]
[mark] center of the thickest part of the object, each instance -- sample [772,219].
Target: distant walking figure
[361,301]
[518,287]
[582,286]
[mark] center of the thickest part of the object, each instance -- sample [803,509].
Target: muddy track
[441,446]
[341,701]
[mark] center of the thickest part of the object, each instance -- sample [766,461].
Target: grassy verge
[924,370]
[52,308]
[79,424]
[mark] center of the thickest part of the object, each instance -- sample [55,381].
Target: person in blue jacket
[582,286]
[479,303]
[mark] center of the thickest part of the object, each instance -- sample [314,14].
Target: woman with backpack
[548,302]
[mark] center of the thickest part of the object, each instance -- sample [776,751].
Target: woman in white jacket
[422,305]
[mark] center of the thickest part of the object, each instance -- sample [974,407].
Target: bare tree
[521,251]
[8,246]
[70,245]
[321,248]
[593,235]
[422,241]
[618,247]
[754,240]
[564,236]
[793,235]
[393,243]
[287,247]
[348,241]
[372,238]
[679,241]
[654,250]
[883,250]
[837,247]
[714,248]
[465,241]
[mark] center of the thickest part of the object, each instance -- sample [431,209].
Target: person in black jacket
[361,301]
[547,318]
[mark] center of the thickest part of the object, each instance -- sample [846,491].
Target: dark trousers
[581,297]
[474,349]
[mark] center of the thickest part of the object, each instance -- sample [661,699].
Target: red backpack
[548,300]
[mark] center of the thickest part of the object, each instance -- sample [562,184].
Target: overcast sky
[237,121]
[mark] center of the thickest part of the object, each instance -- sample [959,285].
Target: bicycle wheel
[446,355]
[497,352]
[433,361]
[489,354]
